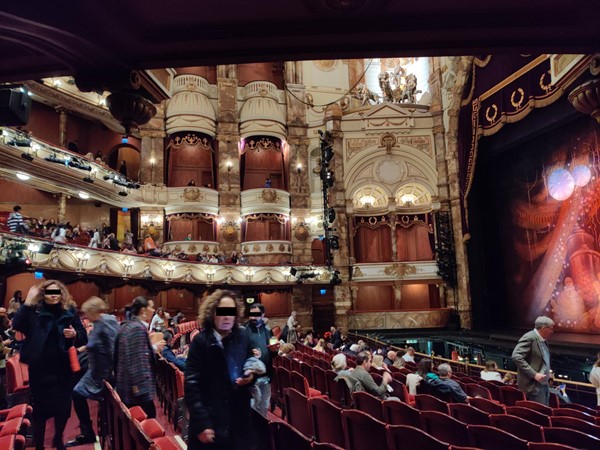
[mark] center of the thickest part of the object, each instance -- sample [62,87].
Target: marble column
[62,127]
[152,157]
[228,160]
[392,222]
[397,295]
[302,304]
[62,208]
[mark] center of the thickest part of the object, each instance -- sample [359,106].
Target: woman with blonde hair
[50,325]
[320,347]
[217,377]
[377,363]
[100,349]
[595,377]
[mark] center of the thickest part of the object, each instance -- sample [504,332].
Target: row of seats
[14,425]
[169,385]
[17,381]
[409,428]
[128,429]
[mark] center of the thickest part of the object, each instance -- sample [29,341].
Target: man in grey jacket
[532,357]
[364,379]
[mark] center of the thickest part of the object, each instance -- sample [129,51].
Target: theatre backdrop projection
[549,195]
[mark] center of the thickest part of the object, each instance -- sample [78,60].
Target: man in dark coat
[336,338]
[260,335]
[216,384]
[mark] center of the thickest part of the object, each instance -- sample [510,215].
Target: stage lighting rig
[88,180]
[27,156]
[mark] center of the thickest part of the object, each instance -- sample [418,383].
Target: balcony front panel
[192,199]
[433,318]
[390,271]
[268,252]
[192,247]
[265,200]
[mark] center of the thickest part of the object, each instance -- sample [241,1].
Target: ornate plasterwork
[390,142]
[192,195]
[400,270]
[436,318]
[325,65]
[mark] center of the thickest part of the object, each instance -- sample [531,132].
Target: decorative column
[392,222]
[228,139]
[455,91]
[302,304]
[62,127]
[152,150]
[397,295]
[62,208]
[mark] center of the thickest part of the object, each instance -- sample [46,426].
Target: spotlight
[335,278]
[334,243]
[107,177]
[293,271]
[27,156]
[331,215]
[88,180]
[327,154]
[123,193]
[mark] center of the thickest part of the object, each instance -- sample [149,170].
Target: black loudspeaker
[46,248]
[15,105]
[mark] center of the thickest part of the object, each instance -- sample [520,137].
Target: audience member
[15,303]
[15,221]
[287,350]
[50,325]
[339,365]
[409,356]
[445,384]
[123,168]
[96,241]
[260,335]
[192,183]
[364,380]
[100,351]
[390,358]
[595,377]
[491,371]
[217,380]
[134,358]
[320,347]
[336,338]
[159,320]
[292,324]
[169,355]
[128,237]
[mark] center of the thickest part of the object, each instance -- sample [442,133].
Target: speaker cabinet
[14,107]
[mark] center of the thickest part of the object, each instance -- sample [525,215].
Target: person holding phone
[217,382]
[51,325]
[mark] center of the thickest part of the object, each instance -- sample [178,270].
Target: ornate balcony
[192,199]
[390,271]
[265,200]
[267,252]
[192,247]
[433,318]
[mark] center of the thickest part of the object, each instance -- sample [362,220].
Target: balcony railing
[265,200]
[367,320]
[389,271]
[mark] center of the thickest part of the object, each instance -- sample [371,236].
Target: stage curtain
[373,245]
[374,298]
[413,243]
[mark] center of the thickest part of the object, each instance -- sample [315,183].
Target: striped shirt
[15,222]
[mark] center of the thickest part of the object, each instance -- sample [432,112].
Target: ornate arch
[371,198]
[413,195]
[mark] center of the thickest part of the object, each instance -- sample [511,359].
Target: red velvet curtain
[373,244]
[264,230]
[190,162]
[258,165]
[201,230]
[413,243]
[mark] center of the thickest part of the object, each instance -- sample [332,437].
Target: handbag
[74,359]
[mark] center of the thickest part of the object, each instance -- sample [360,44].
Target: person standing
[123,168]
[532,357]
[260,334]
[134,359]
[595,377]
[100,349]
[292,325]
[50,325]
[217,384]
[15,221]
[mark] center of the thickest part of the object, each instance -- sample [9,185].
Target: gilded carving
[400,270]
[357,273]
[269,195]
[177,249]
[301,233]
[192,195]
[491,113]
[265,144]
[256,248]
[281,247]
[354,146]
[192,248]
[513,98]
[270,247]
[246,249]
[206,248]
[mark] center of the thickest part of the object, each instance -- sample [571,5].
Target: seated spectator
[178,317]
[188,237]
[340,365]
[409,356]
[364,380]
[242,259]
[160,320]
[234,257]
[309,341]
[399,361]
[167,352]
[213,259]
[509,379]
[352,350]
[113,243]
[491,372]
[150,246]
[378,364]
[59,235]
[192,183]
[425,370]
[129,248]
[390,358]
[320,347]
[446,385]
[95,242]
[287,350]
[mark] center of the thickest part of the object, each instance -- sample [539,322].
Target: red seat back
[327,421]
[404,437]
[298,413]
[425,402]
[444,427]
[363,432]
[490,438]
[529,414]
[400,413]
[469,414]
[367,403]
[521,428]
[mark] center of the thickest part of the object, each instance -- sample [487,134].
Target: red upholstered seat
[152,428]
[491,438]
[509,395]
[568,412]
[535,406]
[300,383]
[571,437]
[327,421]
[487,405]
[575,424]
[400,413]
[444,427]
[367,403]
[286,436]
[517,426]
[405,437]
[12,442]
[137,413]
[425,402]
[529,414]
[298,413]
[166,443]
[476,390]
[320,380]
[362,432]
[582,408]
[469,414]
